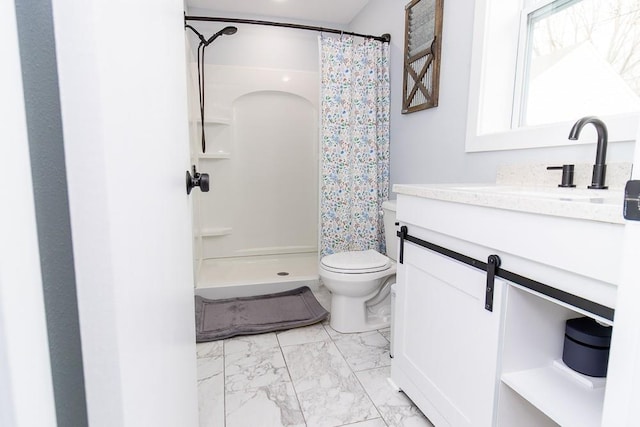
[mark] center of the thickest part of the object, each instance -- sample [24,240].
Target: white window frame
[521,61]
[494,81]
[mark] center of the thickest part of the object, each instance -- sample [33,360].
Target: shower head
[229,31]
[225,31]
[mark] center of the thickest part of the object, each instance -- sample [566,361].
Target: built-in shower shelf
[216,155]
[216,231]
[217,121]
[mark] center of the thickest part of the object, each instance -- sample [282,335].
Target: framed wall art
[422,50]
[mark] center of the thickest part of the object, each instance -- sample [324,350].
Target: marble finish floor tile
[257,369]
[329,393]
[248,344]
[386,332]
[211,391]
[210,349]
[332,332]
[365,350]
[394,406]
[377,422]
[303,335]
[304,377]
[323,296]
[268,406]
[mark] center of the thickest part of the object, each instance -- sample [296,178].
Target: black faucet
[599,169]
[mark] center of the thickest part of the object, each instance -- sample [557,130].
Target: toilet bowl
[360,283]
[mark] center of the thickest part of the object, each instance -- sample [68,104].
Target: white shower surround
[262,158]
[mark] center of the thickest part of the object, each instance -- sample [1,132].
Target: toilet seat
[356,262]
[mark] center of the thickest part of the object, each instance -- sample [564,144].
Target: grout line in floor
[295,390]
[358,379]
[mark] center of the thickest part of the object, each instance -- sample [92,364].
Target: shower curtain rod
[385,38]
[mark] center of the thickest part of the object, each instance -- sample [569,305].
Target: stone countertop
[534,189]
[579,203]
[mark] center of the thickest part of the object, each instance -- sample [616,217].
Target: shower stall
[256,230]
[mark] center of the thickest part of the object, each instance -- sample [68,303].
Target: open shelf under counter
[561,395]
[215,231]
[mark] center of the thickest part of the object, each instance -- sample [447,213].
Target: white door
[445,342]
[122,80]
[26,391]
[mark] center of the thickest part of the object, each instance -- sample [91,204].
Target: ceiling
[328,11]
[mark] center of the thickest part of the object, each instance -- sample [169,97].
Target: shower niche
[258,224]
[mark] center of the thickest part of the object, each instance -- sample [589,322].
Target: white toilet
[360,282]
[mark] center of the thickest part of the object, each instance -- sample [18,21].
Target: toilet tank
[389,218]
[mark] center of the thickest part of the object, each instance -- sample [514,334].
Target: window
[551,63]
[581,57]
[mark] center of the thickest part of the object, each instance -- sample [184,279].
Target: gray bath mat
[218,319]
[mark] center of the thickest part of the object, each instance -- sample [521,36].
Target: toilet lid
[368,261]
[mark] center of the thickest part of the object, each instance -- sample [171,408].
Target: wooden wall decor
[422,43]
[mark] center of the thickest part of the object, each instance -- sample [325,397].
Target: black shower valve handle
[197,180]
[203,182]
[567,174]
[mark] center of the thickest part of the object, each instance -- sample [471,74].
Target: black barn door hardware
[493,269]
[493,262]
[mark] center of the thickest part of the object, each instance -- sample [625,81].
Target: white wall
[429,146]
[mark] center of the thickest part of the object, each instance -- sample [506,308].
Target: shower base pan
[257,275]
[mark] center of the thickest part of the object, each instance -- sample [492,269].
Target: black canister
[586,346]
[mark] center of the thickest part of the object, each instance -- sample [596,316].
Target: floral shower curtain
[354,143]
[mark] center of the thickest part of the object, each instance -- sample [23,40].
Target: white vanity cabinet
[463,365]
[446,343]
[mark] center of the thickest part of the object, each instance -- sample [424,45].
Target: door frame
[25,369]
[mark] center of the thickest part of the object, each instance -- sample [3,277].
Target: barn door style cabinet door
[446,341]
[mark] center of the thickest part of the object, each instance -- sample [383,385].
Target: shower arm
[200,36]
